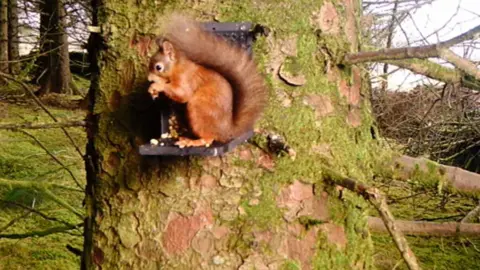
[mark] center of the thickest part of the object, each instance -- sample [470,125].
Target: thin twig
[471,34]
[54,158]
[54,230]
[474,213]
[44,188]
[13,221]
[421,52]
[35,211]
[30,125]
[63,203]
[374,196]
[74,250]
[32,184]
[439,50]
[37,100]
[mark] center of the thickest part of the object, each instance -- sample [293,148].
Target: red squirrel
[224,92]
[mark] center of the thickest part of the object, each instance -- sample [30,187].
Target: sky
[457,15]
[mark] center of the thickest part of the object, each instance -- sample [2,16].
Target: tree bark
[13,43]
[4,36]
[248,209]
[56,76]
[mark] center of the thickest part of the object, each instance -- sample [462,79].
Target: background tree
[13,42]
[54,44]
[438,117]
[4,36]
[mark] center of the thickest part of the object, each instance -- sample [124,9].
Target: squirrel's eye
[158,67]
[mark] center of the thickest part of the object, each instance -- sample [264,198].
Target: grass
[22,159]
[414,201]
[433,253]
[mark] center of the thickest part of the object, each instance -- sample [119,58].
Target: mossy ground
[417,201]
[433,253]
[22,159]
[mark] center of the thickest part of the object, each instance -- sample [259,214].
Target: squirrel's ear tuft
[168,49]
[159,41]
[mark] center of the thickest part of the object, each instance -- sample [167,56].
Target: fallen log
[454,177]
[426,228]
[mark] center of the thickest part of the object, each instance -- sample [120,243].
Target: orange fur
[218,81]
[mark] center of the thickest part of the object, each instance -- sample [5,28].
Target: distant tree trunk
[55,76]
[13,51]
[4,35]
[250,209]
[391,30]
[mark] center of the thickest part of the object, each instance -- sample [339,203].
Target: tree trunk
[249,208]
[13,51]
[56,76]
[4,36]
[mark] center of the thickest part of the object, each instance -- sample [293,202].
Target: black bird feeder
[239,33]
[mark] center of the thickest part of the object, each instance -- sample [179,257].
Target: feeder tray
[238,33]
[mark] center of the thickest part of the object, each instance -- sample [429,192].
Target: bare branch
[44,188]
[474,213]
[440,122]
[471,34]
[63,203]
[374,196]
[30,125]
[37,212]
[439,50]
[54,158]
[429,69]
[29,91]
[30,184]
[13,221]
[420,52]
[54,230]
[460,62]
[435,71]
[74,250]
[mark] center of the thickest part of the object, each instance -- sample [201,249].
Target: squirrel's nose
[152,78]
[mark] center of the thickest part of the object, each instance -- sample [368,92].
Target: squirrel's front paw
[155,89]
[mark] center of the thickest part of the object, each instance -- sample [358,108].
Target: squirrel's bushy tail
[231,61]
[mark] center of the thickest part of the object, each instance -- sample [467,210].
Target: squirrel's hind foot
[186,142]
